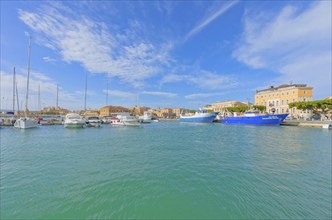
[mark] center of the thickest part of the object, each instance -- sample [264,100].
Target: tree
[260,108]
[318,106]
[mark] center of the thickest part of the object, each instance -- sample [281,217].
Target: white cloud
[201,78]
[80,39]
[49,59]
[165,94]
[204,95]
[296,44]
[224,8]
[121,94]
[48,89]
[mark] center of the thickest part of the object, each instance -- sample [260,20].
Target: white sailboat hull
[25,123]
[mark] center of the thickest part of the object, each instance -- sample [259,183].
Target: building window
[282,102]
[304,91]
[287,101]
[277,94]
[293,110]
[277,110]
[287,110]
[282,93]
[287,93]
[277,103]
[304,99]
[282,110]
[293,100]
[293,92]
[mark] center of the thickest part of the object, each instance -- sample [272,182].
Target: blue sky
[162,53]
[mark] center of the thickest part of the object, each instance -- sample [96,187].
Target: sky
[162,54]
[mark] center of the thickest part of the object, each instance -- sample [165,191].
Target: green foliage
[192,111]
[318,106]
[260,108]
[237,109]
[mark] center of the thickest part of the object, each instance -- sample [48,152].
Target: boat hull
[207,119]
[255,120]
[25,123]
[73,125]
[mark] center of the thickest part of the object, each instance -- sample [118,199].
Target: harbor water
[166,170]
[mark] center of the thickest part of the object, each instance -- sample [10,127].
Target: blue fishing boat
[254,118]
[199,116]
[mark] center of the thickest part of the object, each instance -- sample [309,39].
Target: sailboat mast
[14,91]
[39,108]
[27,95]
[107,93]
[57,95]
[86,87]
[18,105]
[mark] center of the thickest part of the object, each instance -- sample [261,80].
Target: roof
[272,88]
[111,107]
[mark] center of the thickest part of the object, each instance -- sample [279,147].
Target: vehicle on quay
[125,119]
[199,116]
[252,117]
[73,120]
[93,122]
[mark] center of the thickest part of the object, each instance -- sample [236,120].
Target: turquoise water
[166,170]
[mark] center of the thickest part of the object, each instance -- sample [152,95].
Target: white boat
[327,126]
[26,122]
[74,120]
[125,119]
[93,122]
[146,118]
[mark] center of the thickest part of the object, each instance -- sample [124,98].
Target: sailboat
[26,122]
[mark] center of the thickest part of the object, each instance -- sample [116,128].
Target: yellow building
[276,99]
[220,106]
[111,110]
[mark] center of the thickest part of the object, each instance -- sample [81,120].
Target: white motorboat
[93,122]
[74,120]
[146,118]
[125,119]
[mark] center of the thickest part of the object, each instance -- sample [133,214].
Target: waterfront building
[138,110]
[221,106]
[178,111]
[276,99]
[110,110]
[91,113]
[54,111]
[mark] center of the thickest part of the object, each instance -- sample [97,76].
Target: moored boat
[199,116]
[253,117]
[146,118]
[125,119]
[93,122]
[74,120]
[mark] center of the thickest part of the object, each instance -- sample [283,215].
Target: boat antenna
[27,94]
[14,91]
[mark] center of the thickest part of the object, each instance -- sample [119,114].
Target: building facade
[221,106]
[110,110]
[276,99]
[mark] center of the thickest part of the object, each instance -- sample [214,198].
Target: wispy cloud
[47,91]
[302,55]
[165,94]
[82,40]
[200,78]
[49,59]
[204,95]
[224,8]
[121,94]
